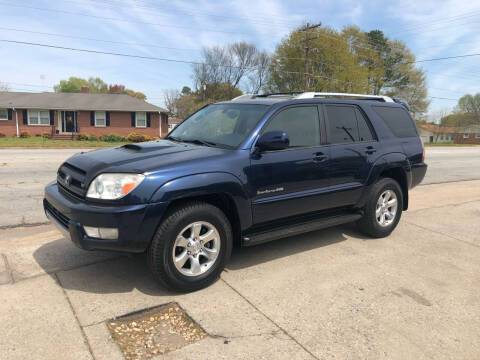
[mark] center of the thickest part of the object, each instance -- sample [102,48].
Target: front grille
[62,219]
[72,179]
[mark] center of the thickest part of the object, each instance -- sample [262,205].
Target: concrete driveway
[326,294]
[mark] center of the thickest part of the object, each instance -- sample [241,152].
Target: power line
[336,38]
[95,39]
[442,58]
[191,13]
[116,19]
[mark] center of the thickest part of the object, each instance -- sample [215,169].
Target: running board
[303,227]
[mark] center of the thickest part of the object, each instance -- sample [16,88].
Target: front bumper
[136,223]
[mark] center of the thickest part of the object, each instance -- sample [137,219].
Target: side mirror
[273,140]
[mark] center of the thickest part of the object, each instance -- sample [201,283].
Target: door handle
[370,150]
[319,157]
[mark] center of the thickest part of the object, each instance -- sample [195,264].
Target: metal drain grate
[155,331]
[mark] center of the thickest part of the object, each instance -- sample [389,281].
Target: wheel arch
[222,190]
[395,166]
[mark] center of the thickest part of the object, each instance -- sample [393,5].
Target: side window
[397,119]
[364,132]
[300,123]
[342,124]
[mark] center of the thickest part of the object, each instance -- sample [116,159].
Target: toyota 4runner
[242,172]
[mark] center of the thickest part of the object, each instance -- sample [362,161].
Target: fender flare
[384,163]
[211,183]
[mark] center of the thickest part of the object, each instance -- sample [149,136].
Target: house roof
[74,101]
[440,129]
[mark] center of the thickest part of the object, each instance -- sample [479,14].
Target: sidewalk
[331,293]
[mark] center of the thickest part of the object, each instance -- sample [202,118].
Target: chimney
[84,89]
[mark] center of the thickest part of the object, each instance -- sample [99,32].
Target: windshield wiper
[199,142]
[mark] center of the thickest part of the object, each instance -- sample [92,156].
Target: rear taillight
[423,150]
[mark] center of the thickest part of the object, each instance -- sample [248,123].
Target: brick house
[468,135]
[66,114]
[433,133]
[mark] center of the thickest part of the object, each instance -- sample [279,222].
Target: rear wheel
[191,247]
[383,209]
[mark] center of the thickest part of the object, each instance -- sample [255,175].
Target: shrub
[2,135]
[46,135]
[134,137]
[37,135]
[112,138]
[92,138]
[24,134]
[83,136]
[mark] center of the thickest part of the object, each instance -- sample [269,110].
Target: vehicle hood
[141,158]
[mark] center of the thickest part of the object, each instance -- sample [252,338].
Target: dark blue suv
[242,172]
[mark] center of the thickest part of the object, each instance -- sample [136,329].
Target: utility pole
[307,28]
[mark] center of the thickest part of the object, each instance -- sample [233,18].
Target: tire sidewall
[208,214]
[380,187]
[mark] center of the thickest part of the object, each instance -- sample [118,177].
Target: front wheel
[383,209]
[191,247]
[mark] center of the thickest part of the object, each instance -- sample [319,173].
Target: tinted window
[342,124]
[364,132]
[300,123]
[397,119]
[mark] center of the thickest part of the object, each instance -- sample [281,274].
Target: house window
[477,136]
[100,119]
[38,117]
[441,137]
[141,119]
[3,114]
[466,136]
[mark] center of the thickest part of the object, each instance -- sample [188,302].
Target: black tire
[159,253]
[368,224]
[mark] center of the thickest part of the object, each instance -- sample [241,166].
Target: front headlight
[113,186]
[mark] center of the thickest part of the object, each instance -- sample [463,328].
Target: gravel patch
[155,331]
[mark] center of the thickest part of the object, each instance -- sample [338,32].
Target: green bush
[46,135]
[83,136]
[134,137]
[92,138]
[24,134]
[112,138]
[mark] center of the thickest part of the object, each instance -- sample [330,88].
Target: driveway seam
[441,233]
[40,223]
[270,319]
[84,335]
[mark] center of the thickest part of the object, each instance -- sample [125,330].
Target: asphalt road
[25,172]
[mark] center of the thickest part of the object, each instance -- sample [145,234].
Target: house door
[69,123]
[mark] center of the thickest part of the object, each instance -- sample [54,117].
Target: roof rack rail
[310,95]
[254,96]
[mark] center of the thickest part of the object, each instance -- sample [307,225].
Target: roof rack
[310,95]
[290,95]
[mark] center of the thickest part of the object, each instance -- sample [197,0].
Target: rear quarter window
[398,120]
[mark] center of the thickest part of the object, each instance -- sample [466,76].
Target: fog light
[101,233]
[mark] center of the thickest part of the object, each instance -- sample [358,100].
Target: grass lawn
[448,144]
[39,142]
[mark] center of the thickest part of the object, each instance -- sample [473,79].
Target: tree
[95,86]
[349,61]
[470,104]
[225,70]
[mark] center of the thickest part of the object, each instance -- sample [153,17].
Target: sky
[178,30]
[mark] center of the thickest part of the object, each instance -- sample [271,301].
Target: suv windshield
[219,125]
